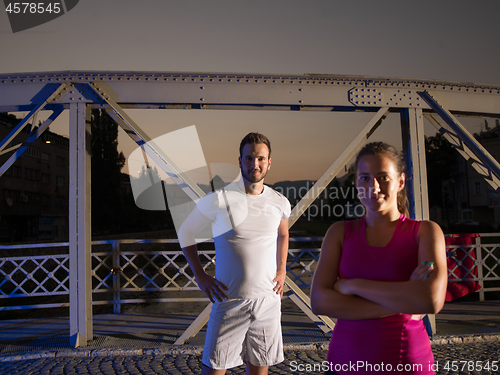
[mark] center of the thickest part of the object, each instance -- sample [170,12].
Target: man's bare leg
[205,370]
[256,370]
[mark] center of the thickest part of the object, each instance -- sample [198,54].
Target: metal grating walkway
[139,340]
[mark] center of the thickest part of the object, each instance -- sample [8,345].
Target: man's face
[254,162]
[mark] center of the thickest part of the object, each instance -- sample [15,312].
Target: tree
[441,158]
[107,163]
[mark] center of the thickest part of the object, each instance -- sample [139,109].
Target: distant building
[34,190]
[474,198]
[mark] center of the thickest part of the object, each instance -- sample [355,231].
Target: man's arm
[281,257]
[194,224]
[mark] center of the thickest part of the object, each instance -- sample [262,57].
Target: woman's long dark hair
[381,148]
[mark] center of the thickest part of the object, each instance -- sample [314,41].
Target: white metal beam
[412,132]
[463,150]
[56,95]
[20,148]
[149,147]
[81,329]
[221,90]
[196,326]
[325,323]
[466,144]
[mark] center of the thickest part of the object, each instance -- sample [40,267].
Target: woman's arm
[325,300]
[414,296]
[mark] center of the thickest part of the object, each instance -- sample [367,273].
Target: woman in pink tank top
[378,275]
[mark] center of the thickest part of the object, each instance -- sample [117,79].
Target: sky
[455,41]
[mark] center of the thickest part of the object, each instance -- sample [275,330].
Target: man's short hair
[255,138]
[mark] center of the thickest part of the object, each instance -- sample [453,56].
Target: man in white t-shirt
[250,228]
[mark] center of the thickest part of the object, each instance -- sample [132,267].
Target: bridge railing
[147,271]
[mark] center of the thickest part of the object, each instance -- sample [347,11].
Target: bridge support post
[80,307]
[412,131]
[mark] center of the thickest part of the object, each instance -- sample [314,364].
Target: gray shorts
[242,330]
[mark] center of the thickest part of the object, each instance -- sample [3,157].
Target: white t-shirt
[245,238]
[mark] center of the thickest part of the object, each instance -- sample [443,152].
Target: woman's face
[378,182]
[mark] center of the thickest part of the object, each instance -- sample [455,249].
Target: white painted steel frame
[480,261]
[463,150]
[148,146]
[464,142]
[80,305]
[34,91]
[20,148]
[19,92]
[54,96]
[412,131]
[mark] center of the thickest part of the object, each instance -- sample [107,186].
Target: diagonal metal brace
[463,150]
[149,147]
[196,326]
[465,142]
[10,149]
[337,165]
[325,323]
[20,148]
[54,97]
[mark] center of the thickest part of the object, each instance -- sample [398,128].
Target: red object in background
[457,289]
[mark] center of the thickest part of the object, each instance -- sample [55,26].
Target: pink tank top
[396,341]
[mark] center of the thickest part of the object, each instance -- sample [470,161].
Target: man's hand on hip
[213,288]
[280,282]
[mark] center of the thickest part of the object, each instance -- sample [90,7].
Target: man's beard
[253,178]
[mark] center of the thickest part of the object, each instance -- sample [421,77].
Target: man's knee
[205,370]
[256,370]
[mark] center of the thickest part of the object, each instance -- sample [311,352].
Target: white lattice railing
[128,275]
[478,262]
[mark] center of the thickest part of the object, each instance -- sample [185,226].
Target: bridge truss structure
[441,102]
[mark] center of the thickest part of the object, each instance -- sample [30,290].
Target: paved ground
[468,342]
[466,358]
